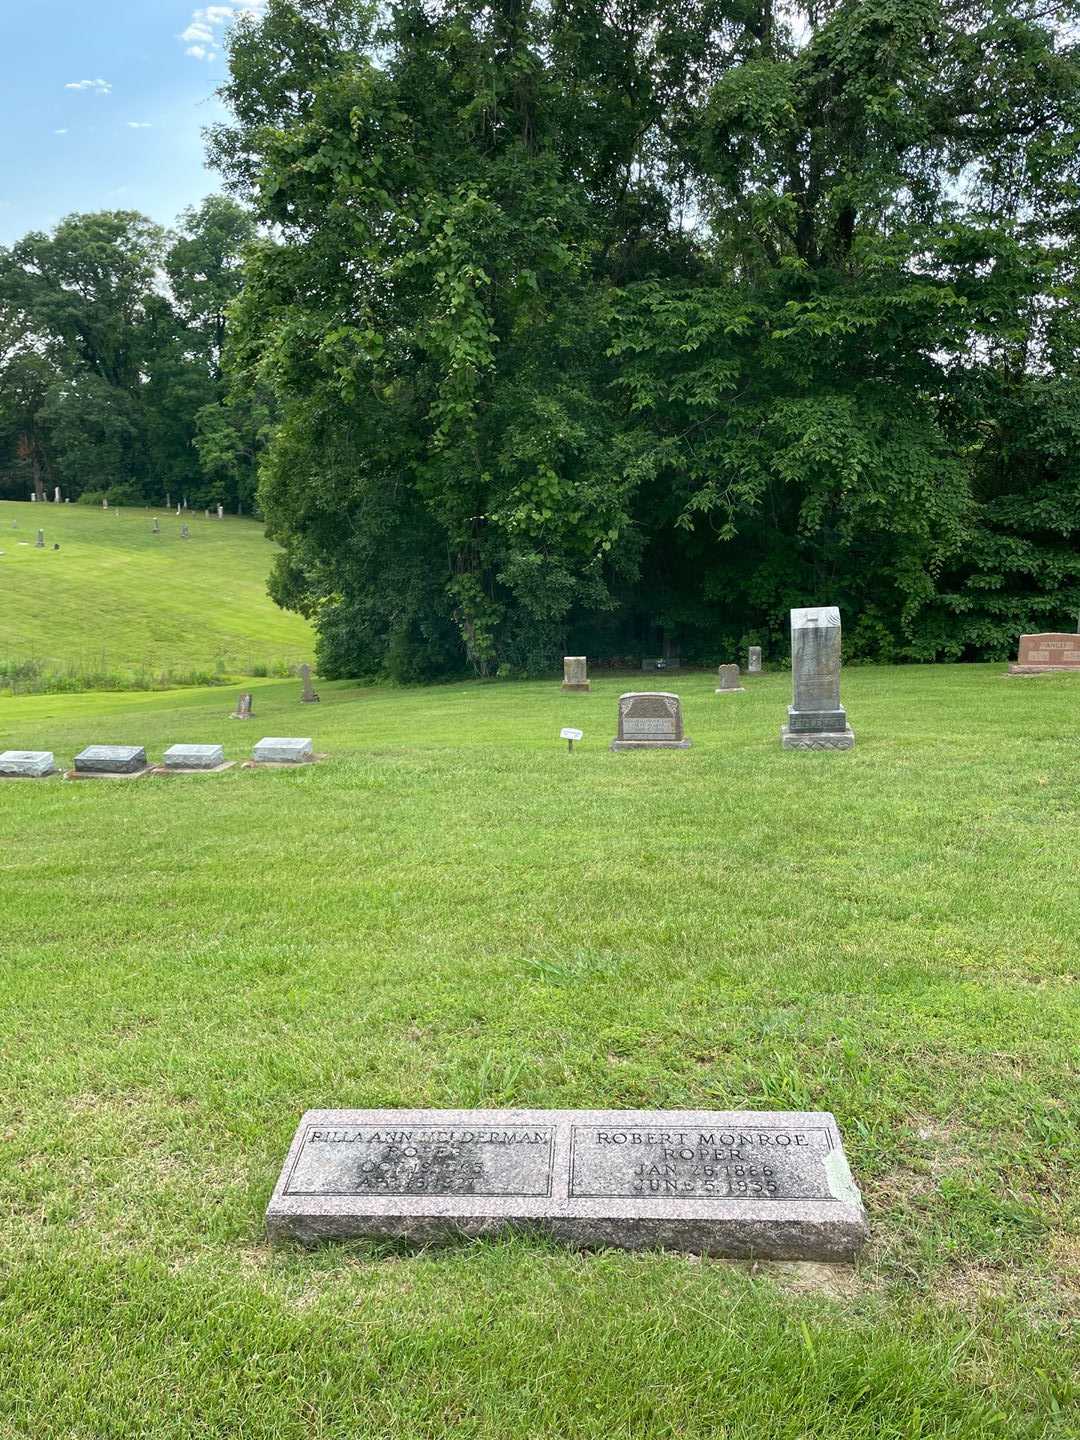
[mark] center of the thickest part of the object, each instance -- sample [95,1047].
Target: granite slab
[194,757]
[817,739]
[744,1184]
[111,760]
[27,764]
[283,750]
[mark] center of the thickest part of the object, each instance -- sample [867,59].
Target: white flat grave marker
[27,764]
[283,750]
[771,1185]
[195,757]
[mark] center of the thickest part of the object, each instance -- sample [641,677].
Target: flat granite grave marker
[729,680]
[575,673]
[816,719]
[744,1184]
[27,764]
[753,662]
[650,720]
[111,760]
[194,757]
[283,750]
[1043,654]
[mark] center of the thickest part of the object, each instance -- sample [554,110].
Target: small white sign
[569,734]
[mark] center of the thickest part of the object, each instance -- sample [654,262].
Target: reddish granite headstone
[1041,653]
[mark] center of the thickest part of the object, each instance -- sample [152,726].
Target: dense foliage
[111,333]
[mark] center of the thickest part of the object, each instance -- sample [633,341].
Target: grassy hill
[116,598]
[453,911]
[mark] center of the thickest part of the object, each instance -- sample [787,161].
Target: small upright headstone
[185,533]
[111,760]
[206,513]
[816,719]
[310,695]
[56,495]
[575,673]
[39,543]
[178,509]
[104,502]
[32,764]
[185,502]
[243,709]
[33,499]
[157,527]
[729,680]
[650,720]
[168,502]
[753,664]
[67,499]
[14,524]
[221,512]
[283,750]
[1043,654]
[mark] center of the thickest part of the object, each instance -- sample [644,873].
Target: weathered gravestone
[104,503]
[1043,654]
[283,750]
[56,495]
[185,533]
[650,720]
[221,512]
[111,760]
[29,764]
[309,696]
[194,757]
[729,680]
[157,527]
[753,663]
[243,709]
[39,543]
[816,719]
[750,1184]
[575,673]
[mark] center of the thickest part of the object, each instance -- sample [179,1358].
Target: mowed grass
[454,911]
[117,597]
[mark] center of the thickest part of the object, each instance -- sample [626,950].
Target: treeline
[112,333]
[620,328]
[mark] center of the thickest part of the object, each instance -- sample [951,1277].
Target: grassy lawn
[453,911]
[116,597]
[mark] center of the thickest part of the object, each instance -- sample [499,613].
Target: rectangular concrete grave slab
[283,750]
[771,1185]
[576,673]
[27,764]
[1043,654]
[650,720]
[816,719]
[194,757]
[111,760]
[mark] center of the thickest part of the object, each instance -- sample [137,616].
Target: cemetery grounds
[454,911]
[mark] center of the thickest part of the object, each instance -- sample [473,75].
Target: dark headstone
[111,760]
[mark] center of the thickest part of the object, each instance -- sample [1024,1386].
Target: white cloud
[100,87]
[139,125]
[206,31]
[60,132]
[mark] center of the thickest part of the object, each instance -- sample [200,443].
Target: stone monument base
[1042,669]
[651,744]
[730,690]
[577,689]
[817,739]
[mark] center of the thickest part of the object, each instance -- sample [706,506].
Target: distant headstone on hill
[816,719]
[157,527]
[650,720]
[771,1185]
[575,673]
[185,533]
[1043,654]
[39,543]
[729,680]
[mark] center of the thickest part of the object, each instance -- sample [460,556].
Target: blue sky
[129,136]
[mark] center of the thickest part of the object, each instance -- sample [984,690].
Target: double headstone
[575,673]
[650,720]
[1042,654]
[753,664]
[816,719]
[729,680]
[767,1185]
